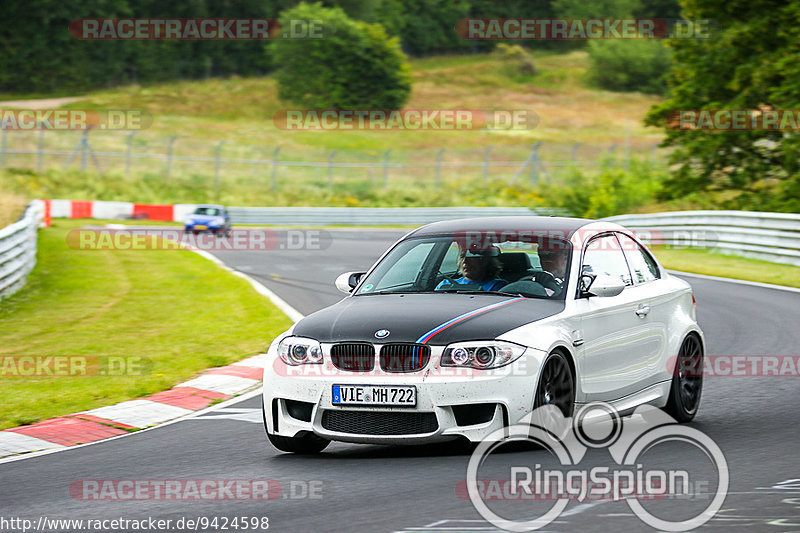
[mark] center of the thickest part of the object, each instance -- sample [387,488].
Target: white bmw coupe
[464,327]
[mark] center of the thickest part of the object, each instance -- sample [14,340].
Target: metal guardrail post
[85,148]
[439,167]
[39,151]
[386,167]
[274,176]
[535,163]
[217,164]
[128,152]
[3,148]
[170,142]
[486,154]
[330,168]
[574,155]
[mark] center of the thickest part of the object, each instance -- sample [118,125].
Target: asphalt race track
[353,488]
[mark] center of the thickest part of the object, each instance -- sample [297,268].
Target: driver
[555,262]
[479,267]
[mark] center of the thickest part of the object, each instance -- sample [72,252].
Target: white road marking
[243,415]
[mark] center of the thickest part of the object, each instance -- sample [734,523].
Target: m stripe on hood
[441,327]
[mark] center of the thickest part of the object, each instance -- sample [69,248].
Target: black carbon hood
[436,319]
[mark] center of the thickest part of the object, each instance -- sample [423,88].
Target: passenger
[478,267]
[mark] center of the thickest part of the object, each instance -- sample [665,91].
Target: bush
[631,65]
[514,60]
[612,192]
[355,66]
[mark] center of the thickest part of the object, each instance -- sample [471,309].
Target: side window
[604,256]
[643,266]
[450,260]
[405,270]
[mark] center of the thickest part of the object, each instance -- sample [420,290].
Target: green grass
[728,266]
[201,113]
[174,308]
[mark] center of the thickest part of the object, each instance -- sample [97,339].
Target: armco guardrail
[373,216]
[771,236]
[18,249]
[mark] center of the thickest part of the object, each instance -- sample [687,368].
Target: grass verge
[11,208]
[175,309]
[728,266]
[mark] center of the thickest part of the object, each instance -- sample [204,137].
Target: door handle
[642,311]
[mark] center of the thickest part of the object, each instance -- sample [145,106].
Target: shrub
[630,65]
[355,66]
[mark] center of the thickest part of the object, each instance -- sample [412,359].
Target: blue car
[209,218]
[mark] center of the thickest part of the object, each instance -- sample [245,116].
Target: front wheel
[557,385]
[687,381]
[305,444]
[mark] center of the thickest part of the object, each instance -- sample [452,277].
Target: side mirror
[348,281]
[601,285]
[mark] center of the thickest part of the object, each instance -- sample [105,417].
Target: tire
[556,385]
[306,444]
[687,381]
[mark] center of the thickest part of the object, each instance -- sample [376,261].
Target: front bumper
[503,395]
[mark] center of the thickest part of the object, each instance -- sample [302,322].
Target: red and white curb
[214,385]
[241,379]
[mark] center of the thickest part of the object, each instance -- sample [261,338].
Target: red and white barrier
[121,210]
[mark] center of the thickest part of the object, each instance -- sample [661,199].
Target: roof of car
[211,205]
[563,225]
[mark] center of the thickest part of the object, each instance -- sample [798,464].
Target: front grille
[353,356]
[379,423]
[404,357]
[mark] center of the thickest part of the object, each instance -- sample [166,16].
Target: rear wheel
[307,443]
[687,381]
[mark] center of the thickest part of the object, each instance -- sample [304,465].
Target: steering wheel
[548,280]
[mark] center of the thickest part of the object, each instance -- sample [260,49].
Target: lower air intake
[379,423]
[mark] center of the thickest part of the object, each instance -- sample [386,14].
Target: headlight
[481,354]
[300,351]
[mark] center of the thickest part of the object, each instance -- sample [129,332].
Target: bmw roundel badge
[382,333]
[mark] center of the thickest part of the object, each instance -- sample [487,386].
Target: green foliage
[751,61]
[612,192]
[514,60]
[357,66]
[629,65]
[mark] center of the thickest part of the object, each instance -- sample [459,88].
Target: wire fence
[217,163]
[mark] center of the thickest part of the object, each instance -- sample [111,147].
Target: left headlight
[300,351]
[481,354]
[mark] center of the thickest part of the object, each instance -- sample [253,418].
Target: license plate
[200,226]
[375,395]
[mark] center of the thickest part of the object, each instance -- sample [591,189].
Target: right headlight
[300,351]
[481,354]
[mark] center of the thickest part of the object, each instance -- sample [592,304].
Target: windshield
[208,211]
[508,263]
